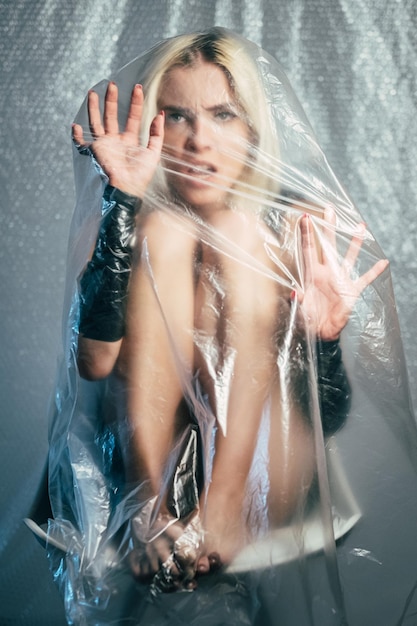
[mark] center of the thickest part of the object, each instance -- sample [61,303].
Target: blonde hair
[227,51]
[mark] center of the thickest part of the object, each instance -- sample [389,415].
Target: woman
[214,295]
[212,314]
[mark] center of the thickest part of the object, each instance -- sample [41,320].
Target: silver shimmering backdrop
[353,64]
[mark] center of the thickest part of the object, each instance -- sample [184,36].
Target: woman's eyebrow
[176,108]
[185,112]
[228,106]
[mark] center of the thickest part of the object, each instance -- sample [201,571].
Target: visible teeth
[203,169]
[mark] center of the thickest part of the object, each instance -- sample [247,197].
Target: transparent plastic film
[227,310]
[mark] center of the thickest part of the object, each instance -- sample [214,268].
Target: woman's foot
[225,534]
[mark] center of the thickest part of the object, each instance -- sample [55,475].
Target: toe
[215,561]
[203,565]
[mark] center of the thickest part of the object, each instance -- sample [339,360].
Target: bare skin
[160,353]
[130,167]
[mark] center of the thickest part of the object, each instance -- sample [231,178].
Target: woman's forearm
[104,286]
[335,392]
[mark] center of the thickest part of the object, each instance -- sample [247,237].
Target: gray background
[353,66]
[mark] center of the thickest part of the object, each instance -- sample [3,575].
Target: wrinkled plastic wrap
[275,439]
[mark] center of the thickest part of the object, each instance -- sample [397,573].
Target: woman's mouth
[200,170]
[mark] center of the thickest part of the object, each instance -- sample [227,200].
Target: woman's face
[206,137]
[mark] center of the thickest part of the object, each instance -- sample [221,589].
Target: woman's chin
[205,199]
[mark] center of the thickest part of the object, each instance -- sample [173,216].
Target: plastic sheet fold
[232,393]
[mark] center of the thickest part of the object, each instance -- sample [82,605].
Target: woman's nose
[200,135]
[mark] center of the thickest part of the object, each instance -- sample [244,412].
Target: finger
[111,124]
[186,570]
[134,564]
[94,117]
[369,276]
[355,246]
[170,567]
[296,297]
[308,245]
[145,570]
[160,548]
[139,565]
[134,116]
[78,135]
[329,233]
[156,133]
[153,561]
[191,585]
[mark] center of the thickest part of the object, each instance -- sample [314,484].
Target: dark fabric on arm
[335,392]
[104,283]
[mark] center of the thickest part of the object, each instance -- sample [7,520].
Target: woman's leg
[237,304]
[242,302]
[291,456]
[158,347]
[155,361]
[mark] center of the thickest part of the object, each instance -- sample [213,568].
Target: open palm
[129,166]
[330,292]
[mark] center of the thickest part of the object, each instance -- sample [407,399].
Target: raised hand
[129,166]
[330,292]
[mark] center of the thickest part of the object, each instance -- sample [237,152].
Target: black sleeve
[104,283]
[333,386]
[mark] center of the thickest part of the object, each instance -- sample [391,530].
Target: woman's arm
[335,393]
[104,286]
[326,303]
[104,283]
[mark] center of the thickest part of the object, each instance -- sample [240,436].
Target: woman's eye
[225,115]
[174,117]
